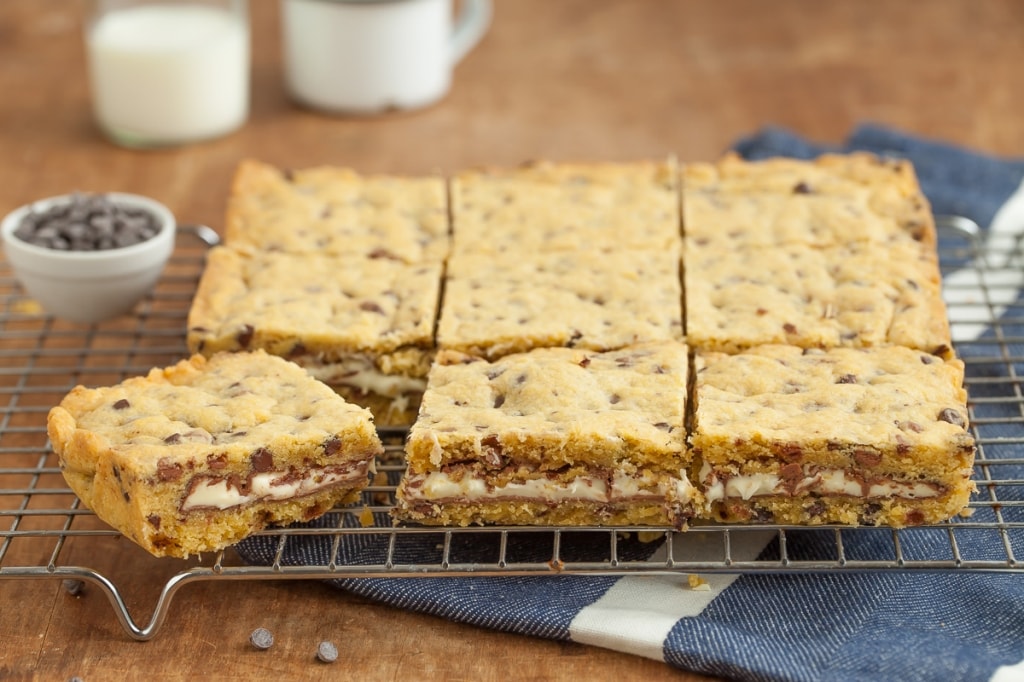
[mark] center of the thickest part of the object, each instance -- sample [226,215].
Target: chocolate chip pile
[87,222]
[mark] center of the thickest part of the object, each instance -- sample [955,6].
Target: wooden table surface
[559,79]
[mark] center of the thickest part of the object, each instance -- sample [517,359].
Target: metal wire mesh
[41,358]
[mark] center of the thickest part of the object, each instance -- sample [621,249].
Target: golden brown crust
[832,436]
[336,211]
[362,325]
[832,200]
[267,443]
[511,440]
[854,295]
[545,206]
[505,303]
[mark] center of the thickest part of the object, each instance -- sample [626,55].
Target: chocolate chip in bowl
[89,257]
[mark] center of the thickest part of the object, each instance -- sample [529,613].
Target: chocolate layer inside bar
[361,372]
[225,492]
[794,479]
[839,436]
[470,485]
[553,436]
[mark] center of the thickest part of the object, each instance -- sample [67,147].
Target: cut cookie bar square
[365,326]
[552,436]
[834,199]
[566,207]
[197,456]
[849,436]
[497,304]
[336,211]
[857,295]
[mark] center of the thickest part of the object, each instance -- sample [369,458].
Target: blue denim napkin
[892,625]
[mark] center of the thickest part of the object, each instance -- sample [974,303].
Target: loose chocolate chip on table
[261,638]
[73,587]
[327,652]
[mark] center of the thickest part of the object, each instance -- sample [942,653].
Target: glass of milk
[168,72]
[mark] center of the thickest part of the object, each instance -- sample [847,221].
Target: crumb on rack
[380,480]
[697,584]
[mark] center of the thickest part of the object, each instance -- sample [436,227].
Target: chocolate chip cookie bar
[846,436]
[497,304]
[336,211]
[552,436]
[548,206]
[835,199]
[197,456]
[857,294]
[362,325]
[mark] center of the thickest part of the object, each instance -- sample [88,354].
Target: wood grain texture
[572,79]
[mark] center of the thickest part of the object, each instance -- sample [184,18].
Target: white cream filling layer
[361,373]
[218,493]
[823,481]
[438,485]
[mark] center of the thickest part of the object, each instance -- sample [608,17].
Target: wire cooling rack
[46,533]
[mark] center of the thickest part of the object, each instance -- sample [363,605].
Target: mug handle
[474,18]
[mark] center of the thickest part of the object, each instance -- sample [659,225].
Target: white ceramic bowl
[89,286]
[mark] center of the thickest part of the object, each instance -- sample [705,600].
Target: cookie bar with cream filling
[547,206]
[364,326]
[835,199]
[197,456]
[872,436]
[336,211]
[856,294]
[497,304]
[552,436]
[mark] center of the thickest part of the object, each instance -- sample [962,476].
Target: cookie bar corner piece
[851,436]
[197,456]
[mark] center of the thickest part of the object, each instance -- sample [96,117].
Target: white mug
[369,56]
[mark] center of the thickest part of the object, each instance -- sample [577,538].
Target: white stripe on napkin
[637,613]
[964,290]
[1008,673]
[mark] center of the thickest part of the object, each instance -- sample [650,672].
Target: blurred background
[563,79]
